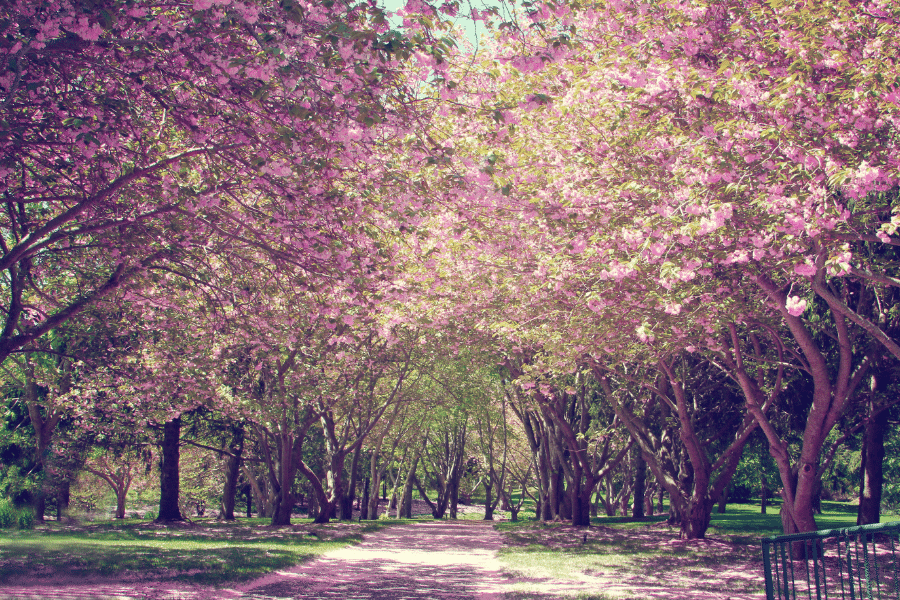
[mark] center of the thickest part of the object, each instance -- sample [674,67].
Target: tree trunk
[257,490]
[488,501]
[548,513]
[697,522]
[39,504]
[62,499]
[439,507]
[350,493]
[640,484]
[871,470]
[580,496]
[121,495]
[232,472]
[318,502]
[405,509]
[335,478]
[43,433]
[364,506]
[290,447]
[168,473]
[454,496]
[377,475]
[313,509]
[555,493]
[283,505]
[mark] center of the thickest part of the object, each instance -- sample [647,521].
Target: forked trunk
[488,502]
[696,520]
[404,511]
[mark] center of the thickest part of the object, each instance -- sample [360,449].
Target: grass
[745,519]
[207,553]
[618,552]
[739,519]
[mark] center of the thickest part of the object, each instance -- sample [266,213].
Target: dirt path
[440,560]
[457,560]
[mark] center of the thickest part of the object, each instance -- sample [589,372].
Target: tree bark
[121,496]
[693,481]
[835,379]
[375,475]
[871,469]
[62,499]
[43,433]
[488,501]
[168,473]
[232,471]
[290,446]
[640,484]
[39,504]
[404,511]
[350,493]
[364,505]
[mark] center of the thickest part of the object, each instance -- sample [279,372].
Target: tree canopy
[615,220]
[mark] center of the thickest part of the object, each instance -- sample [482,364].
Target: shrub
[10,516]
[7,514]
[150,515]
[26,519]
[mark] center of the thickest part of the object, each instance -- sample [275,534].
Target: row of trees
[698,204]
[671,227]
[444,453]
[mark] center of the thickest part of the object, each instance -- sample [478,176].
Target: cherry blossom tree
[661,176]
[136,131]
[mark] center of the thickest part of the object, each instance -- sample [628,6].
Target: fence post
[881,571]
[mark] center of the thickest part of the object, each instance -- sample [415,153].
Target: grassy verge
[621,558]
[205,552]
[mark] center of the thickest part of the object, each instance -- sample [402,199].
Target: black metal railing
[853,563]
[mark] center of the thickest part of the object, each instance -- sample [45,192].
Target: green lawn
[617,550]
[739,519]
[208,552]
[745,519]
[215,553]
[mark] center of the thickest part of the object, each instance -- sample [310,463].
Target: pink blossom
[805,269]
[795,305]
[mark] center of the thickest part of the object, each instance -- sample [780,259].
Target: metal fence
[851,563]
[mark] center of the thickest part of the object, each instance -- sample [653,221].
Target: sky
[473,30]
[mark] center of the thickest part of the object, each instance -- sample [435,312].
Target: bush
[26,519]
[10,516]
[150,515]
[7,514]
